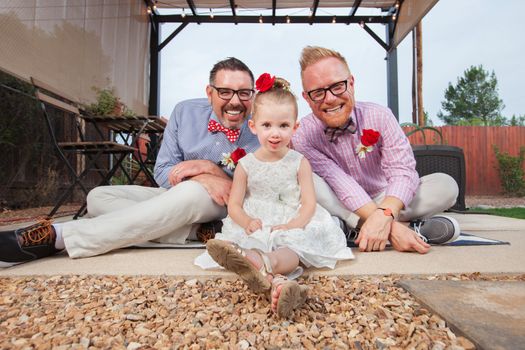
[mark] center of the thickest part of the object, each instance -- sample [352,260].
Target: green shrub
[511,172]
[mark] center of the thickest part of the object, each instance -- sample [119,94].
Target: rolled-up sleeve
[398,163]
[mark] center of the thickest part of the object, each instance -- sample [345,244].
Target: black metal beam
[392,27]
[392,85]
[271,19]
[191,5]
[172,35]
[232,5]
[274,8]
[154,68]
[315,5]
[375,36]
[354,9]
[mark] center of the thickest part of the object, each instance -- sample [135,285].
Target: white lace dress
[273,195]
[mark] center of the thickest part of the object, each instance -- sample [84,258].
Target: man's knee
[94,199]
[446,186]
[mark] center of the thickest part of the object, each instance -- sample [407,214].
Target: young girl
[273,222]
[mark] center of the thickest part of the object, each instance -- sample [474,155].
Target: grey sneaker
[438,229]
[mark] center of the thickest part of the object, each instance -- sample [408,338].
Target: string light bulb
[155,6]
[183,14]
[311,12]
[260,18]
[362,24]
[334,20]
[287,19]
[394,17]
[211,13]
[397,5]
[148,10]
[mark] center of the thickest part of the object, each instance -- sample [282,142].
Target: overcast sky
[456,35]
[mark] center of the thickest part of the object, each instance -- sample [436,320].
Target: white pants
[436,192]
[127,215]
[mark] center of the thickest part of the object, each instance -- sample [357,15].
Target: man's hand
[374,233]
[404,239]
[218,187]
[253,225]
[191,168]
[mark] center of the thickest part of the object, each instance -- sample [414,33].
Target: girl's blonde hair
[279,93]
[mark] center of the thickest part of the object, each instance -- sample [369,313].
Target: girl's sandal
[292,296]
[233,258]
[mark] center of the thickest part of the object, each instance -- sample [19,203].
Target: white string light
[183,14]
[148,10]
[260,18]
[287,19]
[334,20]
[211,13]
[362,24]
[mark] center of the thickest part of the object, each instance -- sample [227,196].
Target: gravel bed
[494,201]
[120,312]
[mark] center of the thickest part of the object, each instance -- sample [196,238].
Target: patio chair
[90,152]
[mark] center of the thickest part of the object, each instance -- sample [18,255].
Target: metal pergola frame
[388,17]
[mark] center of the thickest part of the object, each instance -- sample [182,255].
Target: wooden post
[419,84]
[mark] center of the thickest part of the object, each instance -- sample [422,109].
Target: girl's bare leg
[283,261]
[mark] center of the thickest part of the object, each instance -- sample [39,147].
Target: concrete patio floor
[492,259]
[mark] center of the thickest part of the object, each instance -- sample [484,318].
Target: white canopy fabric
[77,45]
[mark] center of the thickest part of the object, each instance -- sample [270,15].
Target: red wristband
[387,212]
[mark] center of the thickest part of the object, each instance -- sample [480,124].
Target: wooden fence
[477,144]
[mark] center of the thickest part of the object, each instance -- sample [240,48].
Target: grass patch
[517,213]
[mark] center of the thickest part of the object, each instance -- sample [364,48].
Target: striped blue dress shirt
[187,138]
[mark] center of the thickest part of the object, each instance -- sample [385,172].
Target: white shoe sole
[456,228]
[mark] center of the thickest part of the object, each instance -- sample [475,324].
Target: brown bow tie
[231,134]
[333,133]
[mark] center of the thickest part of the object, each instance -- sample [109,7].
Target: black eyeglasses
[227,94]
[336,89]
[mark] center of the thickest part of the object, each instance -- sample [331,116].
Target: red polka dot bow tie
[231,134]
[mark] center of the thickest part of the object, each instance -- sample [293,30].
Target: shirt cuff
[401,191]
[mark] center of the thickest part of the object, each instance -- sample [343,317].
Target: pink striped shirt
[389,168]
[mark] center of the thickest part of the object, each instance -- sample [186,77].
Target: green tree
[517,120]
[474,100]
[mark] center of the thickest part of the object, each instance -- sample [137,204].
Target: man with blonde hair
[367,164]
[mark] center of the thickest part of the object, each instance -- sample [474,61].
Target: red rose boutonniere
[264,82]
[230,160]
[368,139]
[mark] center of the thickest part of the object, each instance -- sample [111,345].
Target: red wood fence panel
[477,144]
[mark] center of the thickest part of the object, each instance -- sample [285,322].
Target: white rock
[133,346]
